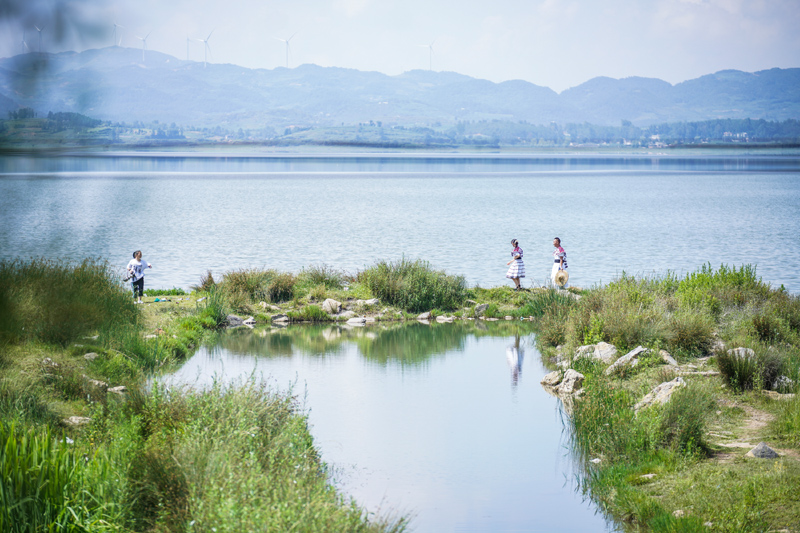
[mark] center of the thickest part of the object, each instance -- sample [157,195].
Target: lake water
[445,422]
[192,213]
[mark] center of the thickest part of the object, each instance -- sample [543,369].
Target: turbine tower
[40,37]
[287,46]
[206,48]
[430,53]
[24,44]
[114,35]
[144,43]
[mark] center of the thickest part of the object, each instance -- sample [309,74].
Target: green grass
[165,292]
[58,302]
[309,313]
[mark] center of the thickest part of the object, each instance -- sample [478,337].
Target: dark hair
[557,239]
[136,252]
[514,242]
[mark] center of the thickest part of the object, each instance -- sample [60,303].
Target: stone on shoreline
[280,318]
[480,309]
[571,383]
[91,356]
[425,316]
[77,421]
[357,321]
[552,379]
[660,394]
[601,351]
[331,306]
[234,321]
[630,359]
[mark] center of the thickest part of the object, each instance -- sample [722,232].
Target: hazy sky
[554,43]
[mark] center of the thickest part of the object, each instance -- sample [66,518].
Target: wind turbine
[114,35]
[430,53]
[144,43]
[206,48]
[24,44]
[287,46]
[40,37]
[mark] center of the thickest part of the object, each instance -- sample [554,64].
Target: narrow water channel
[444,422]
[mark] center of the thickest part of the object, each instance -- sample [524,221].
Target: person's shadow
[515,355]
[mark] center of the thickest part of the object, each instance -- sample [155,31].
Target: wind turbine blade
[209,35]
[148,35]
[292,37]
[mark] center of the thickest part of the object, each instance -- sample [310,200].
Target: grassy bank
[76,456]
[681,466]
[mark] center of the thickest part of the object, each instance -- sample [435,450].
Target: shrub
[56,301]
[165,292]
[683,419]
[690,332]
[322,275]
[281,287]
[744,372]
[414,285]
[206,282]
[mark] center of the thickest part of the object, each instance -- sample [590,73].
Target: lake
[445,422]
[189,213]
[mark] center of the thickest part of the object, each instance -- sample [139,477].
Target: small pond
[445,422]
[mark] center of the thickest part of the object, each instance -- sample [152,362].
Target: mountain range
[116,84]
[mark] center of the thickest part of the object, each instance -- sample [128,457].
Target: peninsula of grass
[240,457]
[682,466]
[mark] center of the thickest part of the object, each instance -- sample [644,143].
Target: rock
[678,513]
[630,359]
[647,476]
[742,353]
[234,321]
[102,385]
[250,321]
[481,309]
[667,358]
[717,347]
[491,319]
[777,395]
[369,319]
[91,356]
[372,301]
[49,362]
[424,316]
[660,394]
[263,305]
[596,460]
[471,302]
[783,383]
[331,306]
[508,317]
[762,451]
[280,318]
[151,336]
[571,383]
[357,321]
[122,389]
[346,314]
[552,379]
[601,351]
[77,421]
[443,319]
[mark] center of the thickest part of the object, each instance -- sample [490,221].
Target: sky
[552,43]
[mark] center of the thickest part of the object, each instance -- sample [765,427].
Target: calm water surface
[445,422]
[193,213]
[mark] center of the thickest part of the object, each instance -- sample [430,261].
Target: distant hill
[115,84]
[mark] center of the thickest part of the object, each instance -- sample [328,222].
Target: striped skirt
[516,270]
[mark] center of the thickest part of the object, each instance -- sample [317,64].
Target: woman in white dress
[516,270]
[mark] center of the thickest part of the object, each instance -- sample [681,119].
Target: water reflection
[422,418]
[407,344]
[515,355]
